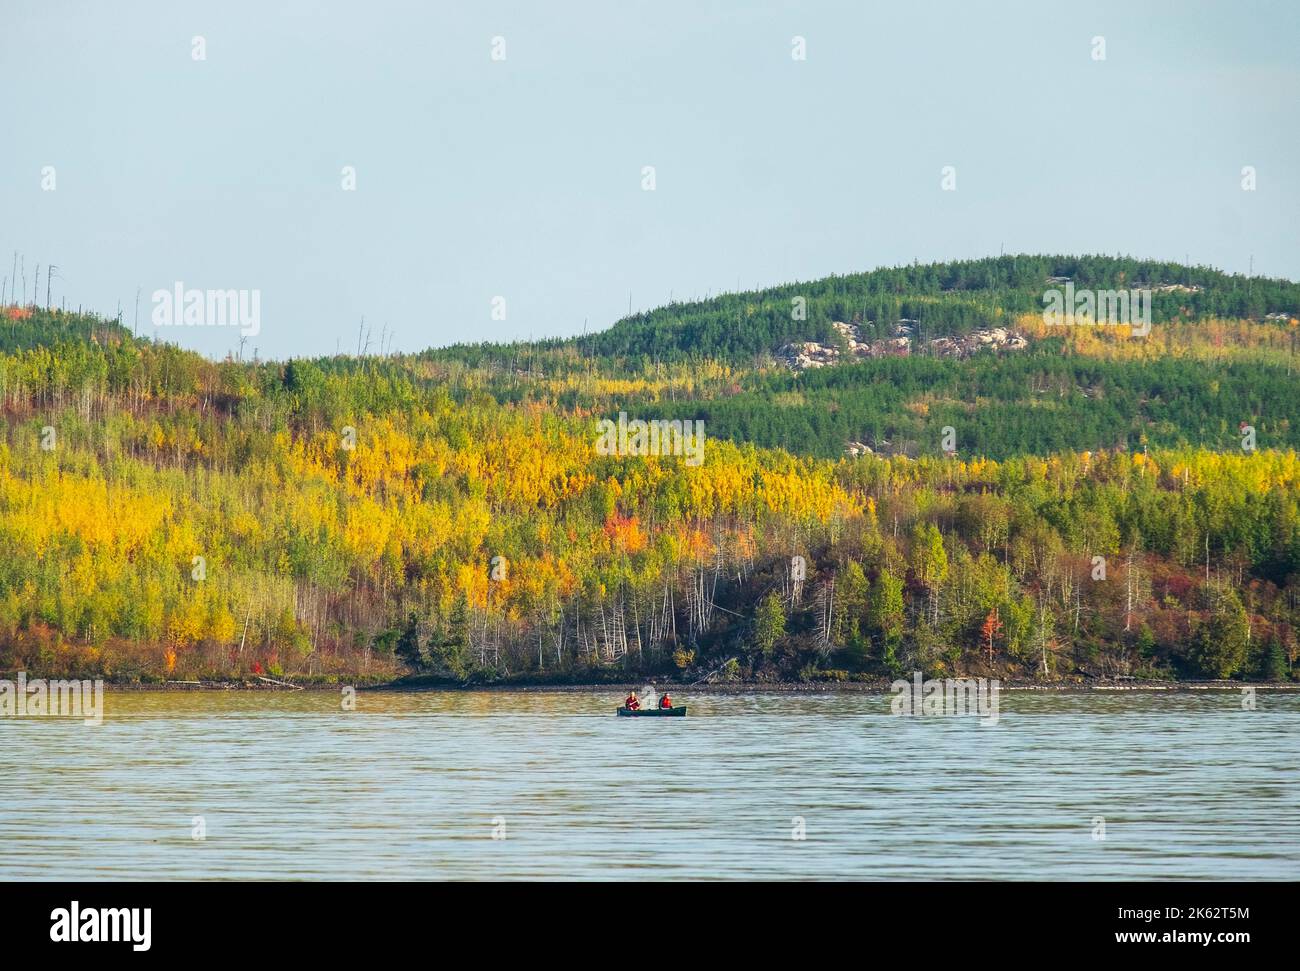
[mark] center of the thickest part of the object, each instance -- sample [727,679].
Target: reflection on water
[412,786]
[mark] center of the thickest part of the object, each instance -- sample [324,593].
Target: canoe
[679,710]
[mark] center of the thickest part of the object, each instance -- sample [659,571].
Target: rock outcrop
[800,356]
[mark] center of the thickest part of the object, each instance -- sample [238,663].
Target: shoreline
[729,688]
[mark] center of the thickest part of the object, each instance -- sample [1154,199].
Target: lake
[505,785]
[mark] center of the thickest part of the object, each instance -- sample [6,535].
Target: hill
[939,299]
[455,513]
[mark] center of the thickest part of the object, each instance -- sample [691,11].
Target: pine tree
[408,644]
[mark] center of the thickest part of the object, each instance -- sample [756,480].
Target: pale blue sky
[522,178]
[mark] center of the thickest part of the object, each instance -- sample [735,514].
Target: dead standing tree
[825,602]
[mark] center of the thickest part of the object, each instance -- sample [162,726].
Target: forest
[940,298]
[1110,508]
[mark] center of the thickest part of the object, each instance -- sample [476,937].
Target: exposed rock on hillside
[800,356]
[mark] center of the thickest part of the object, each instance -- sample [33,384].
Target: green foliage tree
[408,644]
[930,562]
[1219,648]
[449,652]
[885,614]
[852,596]
[769,624]
[1272,661]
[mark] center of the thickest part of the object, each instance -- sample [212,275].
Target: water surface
[414,786]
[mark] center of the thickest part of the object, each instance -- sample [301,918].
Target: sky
[523,177]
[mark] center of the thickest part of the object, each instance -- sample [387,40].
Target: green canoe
[654,712]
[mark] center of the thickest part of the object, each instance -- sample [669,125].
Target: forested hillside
[23,328]
[1109,506]
[1223,352]
[941,298]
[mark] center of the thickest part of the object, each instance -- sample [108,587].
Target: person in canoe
[666,701]
[632,703]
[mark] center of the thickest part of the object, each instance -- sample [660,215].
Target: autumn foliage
[191,519]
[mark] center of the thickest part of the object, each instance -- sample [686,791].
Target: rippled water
[413,786]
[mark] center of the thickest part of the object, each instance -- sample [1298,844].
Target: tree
[449,650]
[408,644]
[885,611]
[1219,650]
[853,600]
[769,624]
[930,563]
[1046,636]
[990,631]
[1272,662]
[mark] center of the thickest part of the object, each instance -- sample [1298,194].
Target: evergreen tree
[1272,662]
[408,644]
[1219,650]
